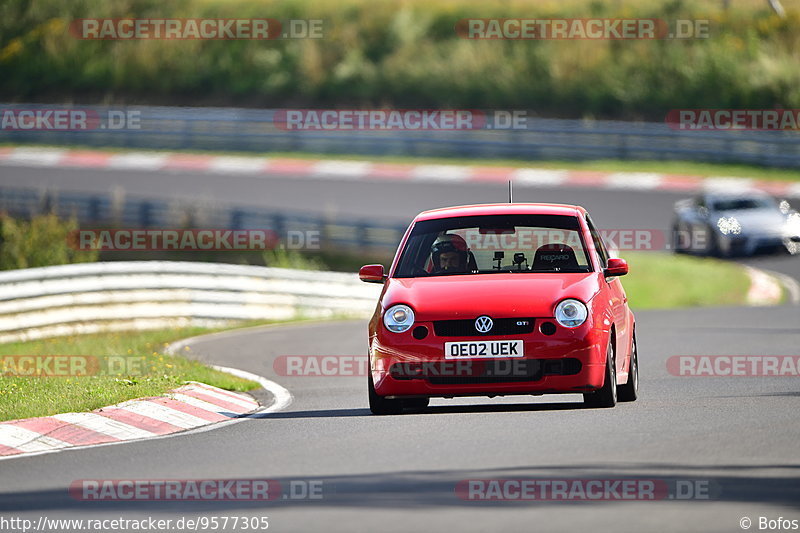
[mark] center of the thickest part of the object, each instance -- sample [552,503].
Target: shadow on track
[432,489]
[434,410]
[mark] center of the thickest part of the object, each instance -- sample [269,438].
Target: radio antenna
[510,193]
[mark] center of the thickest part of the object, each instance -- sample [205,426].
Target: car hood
[757,220]
[496,295]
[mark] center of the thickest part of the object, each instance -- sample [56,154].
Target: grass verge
[147,371]
[663,281]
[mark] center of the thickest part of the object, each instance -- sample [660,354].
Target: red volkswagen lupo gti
[500,299]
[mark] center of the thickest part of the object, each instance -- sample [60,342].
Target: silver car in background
[739,223]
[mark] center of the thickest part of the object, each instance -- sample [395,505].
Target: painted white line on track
[283,398]
[244,403]
[765,289]
[791,285]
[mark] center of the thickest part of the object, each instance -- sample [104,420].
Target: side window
[602,253]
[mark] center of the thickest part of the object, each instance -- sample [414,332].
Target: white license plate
[482,349]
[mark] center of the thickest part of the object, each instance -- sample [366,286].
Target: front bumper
[749,244]
[568,361]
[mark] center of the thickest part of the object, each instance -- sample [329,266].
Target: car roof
[717,194]
[501,209]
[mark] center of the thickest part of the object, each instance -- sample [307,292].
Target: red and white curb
[194,406]
[367,170]
[766,287]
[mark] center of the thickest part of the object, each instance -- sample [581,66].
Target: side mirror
[616,267]
[372,274]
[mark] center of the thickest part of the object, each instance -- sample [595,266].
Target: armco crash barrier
[112,296]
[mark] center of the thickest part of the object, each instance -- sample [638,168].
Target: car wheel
[607,395]
[712,247]
[380,405]
[791,247]
[677,244]
[417,404]
[630,391]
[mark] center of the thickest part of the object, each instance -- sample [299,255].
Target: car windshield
[493,244]
[735,204]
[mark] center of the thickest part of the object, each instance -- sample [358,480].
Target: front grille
[466,328]
[475,371]
[494,371]
[562,367]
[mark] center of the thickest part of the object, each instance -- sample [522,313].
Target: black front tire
[606,396]
[713,248]
[380,405]
[677,243]
[791,247]
[416,404]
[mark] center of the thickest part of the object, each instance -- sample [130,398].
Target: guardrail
[92,297]
[254,130]
[93,210]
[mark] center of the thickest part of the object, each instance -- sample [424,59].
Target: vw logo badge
[483,324]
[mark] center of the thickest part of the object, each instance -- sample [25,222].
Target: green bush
[282,258]
[41,241]
[406,54]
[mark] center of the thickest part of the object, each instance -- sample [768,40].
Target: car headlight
[793,224]
[571,313]
[398,318]
[729,226]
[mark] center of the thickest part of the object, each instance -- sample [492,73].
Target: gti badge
[483,324]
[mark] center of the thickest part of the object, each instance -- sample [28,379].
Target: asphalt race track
[737,436]
[734,438]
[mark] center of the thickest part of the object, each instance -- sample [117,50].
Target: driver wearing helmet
[449,254]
